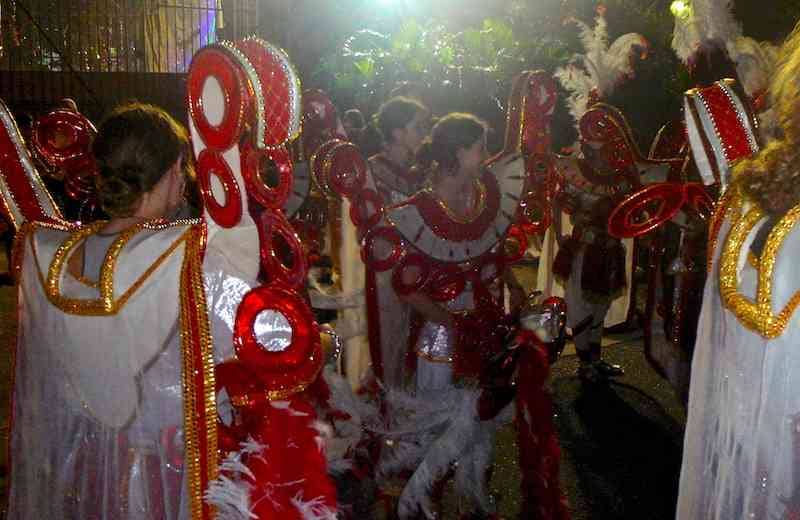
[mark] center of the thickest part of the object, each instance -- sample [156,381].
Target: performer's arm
[516,290]
[429,309]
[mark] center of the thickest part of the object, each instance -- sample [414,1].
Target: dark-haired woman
[454,230]
[113,413]
[403,124]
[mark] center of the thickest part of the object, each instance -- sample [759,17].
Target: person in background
[68,104]
[402,124]
[353,122]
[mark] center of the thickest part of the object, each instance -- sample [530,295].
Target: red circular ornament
[388,235]
[345,169]
[446,282]
[668,197]
[367,209]
[61,136]
[285,371]
[212,163]
[271,224]
[411,261]
[276,92]
[213,62]
[252,161]
[317,162]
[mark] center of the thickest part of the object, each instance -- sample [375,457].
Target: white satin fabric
[742,446]
[97,427]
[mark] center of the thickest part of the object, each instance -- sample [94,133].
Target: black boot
[605,368]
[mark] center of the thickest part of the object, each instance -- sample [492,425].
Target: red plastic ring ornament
[77,130]
[272,224]
[411,261]
[215,63]
[386,234]
[345,170]
[446,282]
[210,163]
[317,161]
[515,233]
[252,160]
[697,197]
[281,371]
[668,195]
[360,212]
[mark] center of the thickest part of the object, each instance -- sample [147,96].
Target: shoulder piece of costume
[130,263]
[777,292]
[96,377]
[428,224]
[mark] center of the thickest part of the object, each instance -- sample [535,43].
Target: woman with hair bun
[122,323]
[742,444]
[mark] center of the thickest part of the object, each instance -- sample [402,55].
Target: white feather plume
[701,22]
[602,65]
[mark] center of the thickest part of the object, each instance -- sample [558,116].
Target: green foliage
[471,63]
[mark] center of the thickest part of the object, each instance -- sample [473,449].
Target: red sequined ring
[229,213]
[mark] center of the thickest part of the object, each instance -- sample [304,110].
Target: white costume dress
[98,405]
[742,446]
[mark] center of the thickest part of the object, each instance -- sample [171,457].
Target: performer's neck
[397,154]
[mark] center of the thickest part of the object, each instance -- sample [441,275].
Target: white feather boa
[429,435]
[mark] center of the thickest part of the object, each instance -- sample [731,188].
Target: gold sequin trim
[198,359]
[105,305]
[756,316]
[274,395]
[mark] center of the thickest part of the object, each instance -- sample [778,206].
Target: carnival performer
[742,443]
[463,197]
[106,360]
[100,409]
[591,266]
[403,124]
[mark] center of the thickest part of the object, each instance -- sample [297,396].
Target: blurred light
[680,8]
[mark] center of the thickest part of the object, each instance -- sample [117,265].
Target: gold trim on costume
[105,305]
[198,358]
[474,213]
[756,315]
